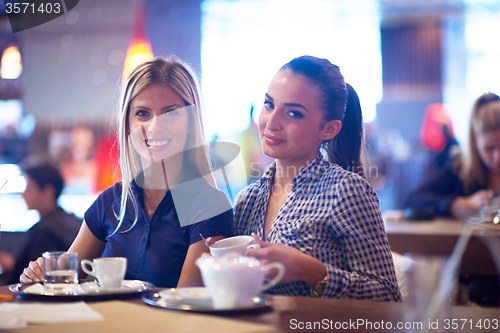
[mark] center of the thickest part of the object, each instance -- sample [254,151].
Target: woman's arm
[298,265]
[467,206]
[340,283]
[438,194]
[85,244]
[190,274]
[367,270]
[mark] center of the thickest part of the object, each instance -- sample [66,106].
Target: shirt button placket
[142,250]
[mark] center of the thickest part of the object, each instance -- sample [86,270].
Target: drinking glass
[489,212]
[60,271]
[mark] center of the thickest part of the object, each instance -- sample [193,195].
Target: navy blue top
[155,249]
[439,193]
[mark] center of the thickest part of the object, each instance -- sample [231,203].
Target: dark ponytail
[341,102]
[345,148]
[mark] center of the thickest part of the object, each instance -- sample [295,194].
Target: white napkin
[39,289]
[8,319]
[16,315]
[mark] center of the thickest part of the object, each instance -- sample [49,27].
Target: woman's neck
[47,208]
[162,175]
[287,170]
[158,179]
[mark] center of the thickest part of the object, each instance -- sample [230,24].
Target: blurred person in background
[255,161]
[56,229]
[437,135]
[467,185]
[79,169]
[469,182]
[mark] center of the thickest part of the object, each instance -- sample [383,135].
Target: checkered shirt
[332,215]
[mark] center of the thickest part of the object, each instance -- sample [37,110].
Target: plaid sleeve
[356,221]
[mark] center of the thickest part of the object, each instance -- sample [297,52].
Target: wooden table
[439,236]
[288,314]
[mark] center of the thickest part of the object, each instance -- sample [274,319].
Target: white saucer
[196,300]
[90,288]
[86,291]
[127,286]
[186,294]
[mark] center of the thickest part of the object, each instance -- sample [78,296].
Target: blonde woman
[155,216]
[471,180]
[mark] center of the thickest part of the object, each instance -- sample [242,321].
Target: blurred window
[245,42]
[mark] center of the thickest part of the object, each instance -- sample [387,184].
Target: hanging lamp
[139,49]
[10,64]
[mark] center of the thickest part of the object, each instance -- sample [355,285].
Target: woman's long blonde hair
[179,77]
[485,117]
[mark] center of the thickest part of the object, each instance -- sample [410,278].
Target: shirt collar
[129,212]
[313,171]
[138,193]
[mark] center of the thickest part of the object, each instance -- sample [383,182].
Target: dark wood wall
[412,80]
[411,61]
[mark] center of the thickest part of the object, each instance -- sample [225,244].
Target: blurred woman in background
[468,183]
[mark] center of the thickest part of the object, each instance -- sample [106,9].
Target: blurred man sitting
[56,229]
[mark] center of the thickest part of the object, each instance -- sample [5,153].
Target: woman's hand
[298,266]
[209,241]
[34,272]
[190,274]
[465,207]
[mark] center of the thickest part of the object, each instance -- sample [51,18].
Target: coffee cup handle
[277,278]
[84,264]
[253,246]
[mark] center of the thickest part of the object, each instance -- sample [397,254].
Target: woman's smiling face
[291,123]
[158,123]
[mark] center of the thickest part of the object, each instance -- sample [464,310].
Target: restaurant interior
[415,65]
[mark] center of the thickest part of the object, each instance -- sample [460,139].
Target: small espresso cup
[110,272]
[236,244]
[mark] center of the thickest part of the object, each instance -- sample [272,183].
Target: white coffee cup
[110,272]
[236,244]
[233,280]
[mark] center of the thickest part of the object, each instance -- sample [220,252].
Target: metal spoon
[1,187]
[204,240]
